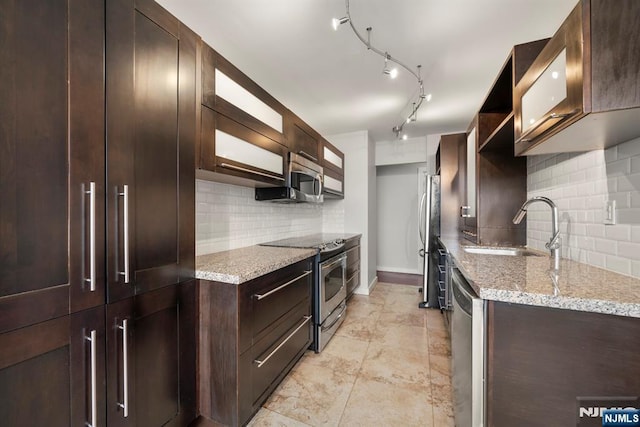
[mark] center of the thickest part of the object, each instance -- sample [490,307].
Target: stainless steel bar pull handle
[275,350]
[92,237]
[93,340]
[526,137]
[125,232]
[273,291]
[241,169]
[307,155]
[125,367]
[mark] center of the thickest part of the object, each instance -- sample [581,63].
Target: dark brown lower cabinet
[251,335]
[151,346]
[540,360]
[352,248]
[52,373]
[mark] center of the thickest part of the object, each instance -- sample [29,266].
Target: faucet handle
[555,242]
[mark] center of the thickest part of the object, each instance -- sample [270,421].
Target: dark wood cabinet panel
[599,104]
[238,165]
[159,371]
[151,125]
[327,160]
[541,359]
[301,138]
[46,372]
[51,138]
[236,329]
[212,60]
[500,177]
[451,183]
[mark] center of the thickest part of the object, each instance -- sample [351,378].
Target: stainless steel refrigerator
[429,227]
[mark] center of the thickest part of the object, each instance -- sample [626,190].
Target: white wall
[580,183]
[228,217]
[397,152]
[398,197]
[397,207]
[359,202]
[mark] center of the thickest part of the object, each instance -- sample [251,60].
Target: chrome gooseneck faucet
[554,244]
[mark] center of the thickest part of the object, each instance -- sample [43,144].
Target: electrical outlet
[610,212]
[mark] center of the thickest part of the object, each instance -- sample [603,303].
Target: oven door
[332,283]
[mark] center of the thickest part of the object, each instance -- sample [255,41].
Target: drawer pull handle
[272,291]
[241,169]
[275,350]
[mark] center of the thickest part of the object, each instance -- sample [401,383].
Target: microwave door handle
[319,179]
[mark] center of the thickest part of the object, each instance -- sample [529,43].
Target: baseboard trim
[400,278]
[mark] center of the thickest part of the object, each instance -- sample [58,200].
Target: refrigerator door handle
[421,216]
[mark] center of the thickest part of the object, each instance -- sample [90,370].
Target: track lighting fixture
[391,72]
[336,22]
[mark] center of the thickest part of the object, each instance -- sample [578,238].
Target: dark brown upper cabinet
[232,152]
[52,161]
[583,90]
[242,127]
[332,161]
[301,138]
[230,92]
[492,180]
[151,133]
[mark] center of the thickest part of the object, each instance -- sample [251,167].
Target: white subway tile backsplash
[606,246]
[619,232]
[629,149]
[580,184]
[629,250]
[228,217]
[618,264]
[635,268]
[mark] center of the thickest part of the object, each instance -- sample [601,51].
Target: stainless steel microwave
[303,183]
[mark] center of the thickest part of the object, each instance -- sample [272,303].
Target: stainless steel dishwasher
[467,353]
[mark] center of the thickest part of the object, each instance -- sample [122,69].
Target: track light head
[391,72]
[336,22]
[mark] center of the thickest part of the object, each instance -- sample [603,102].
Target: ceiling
[335,84]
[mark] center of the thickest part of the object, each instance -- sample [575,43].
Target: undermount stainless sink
[497,250]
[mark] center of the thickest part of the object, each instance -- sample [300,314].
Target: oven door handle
[273,291]
[341,259]
[326,328]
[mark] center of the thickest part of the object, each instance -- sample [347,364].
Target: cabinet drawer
[273,358]
[353,282]
[271,301]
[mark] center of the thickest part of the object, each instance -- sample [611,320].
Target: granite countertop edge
[510,286]
[237,266]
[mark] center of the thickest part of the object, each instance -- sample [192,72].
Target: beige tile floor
[388,365]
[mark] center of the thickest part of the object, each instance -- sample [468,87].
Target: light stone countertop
[528,280]
[237,266]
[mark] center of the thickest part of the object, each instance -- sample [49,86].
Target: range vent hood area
[303,183]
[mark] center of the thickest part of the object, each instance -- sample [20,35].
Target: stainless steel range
[329,290]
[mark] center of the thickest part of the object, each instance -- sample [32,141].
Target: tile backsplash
[581,184]
[228,217]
